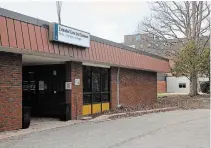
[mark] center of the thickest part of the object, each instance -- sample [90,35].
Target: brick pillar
[161,86]
[113,87]
[10,91]
[77,90]
[68,79]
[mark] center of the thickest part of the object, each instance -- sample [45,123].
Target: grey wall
[173,84]
[161,77]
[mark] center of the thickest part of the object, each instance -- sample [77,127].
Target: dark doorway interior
[44,89]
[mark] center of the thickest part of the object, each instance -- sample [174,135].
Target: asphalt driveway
[174,129]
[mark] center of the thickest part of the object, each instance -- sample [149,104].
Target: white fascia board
[95,65]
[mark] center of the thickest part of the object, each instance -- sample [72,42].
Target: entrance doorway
[43,89]
[43,85]
[96,89]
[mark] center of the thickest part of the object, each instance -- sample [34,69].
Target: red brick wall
[136,87]
[161,86]
[113,84]
[77,91]
[10,91]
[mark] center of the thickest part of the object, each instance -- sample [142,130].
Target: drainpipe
[117,95]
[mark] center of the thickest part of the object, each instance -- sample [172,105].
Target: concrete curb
[157,110]
[103,118]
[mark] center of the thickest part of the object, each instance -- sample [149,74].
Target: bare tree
[59,7]
[179,23]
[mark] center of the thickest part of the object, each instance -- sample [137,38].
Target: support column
[10,91]
[77,90]
[113,84]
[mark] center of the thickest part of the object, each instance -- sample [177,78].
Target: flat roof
[42,23]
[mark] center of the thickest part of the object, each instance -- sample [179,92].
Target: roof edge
[42,23]
[122,46]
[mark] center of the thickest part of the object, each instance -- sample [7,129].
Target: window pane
[96,79]
[87,98]
[96,85]
[96,98]
[105,83]
[138,37]
[87,79]
[182,85]
[105,97]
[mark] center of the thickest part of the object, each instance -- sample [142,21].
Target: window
[104,80]
[96,98]
[129,38]
[138,37]
[96,85]
[87,98]
[96,79]
[87,79]
[105,97]
[182,85]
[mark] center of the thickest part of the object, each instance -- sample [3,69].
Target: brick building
[44,65]
[154,45]
[151,44]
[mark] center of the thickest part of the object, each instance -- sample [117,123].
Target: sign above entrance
[68,35]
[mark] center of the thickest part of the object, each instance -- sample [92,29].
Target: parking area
[175,129]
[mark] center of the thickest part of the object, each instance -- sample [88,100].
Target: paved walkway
[39,124]
[174,129]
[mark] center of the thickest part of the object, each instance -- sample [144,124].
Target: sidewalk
[39,124]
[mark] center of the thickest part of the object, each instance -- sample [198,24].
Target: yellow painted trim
[96,108]
[105,106]
[87,110]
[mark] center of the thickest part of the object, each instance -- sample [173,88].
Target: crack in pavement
[154,131]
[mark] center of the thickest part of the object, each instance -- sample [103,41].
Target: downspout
[117,95]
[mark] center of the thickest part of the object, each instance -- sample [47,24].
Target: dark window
[95,79]
[25,86]
[96,85]
[96,98]
[87,79]
[105,97]
[87,98]
[182,85]
[105,81]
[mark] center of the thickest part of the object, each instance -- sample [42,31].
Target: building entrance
[43,89]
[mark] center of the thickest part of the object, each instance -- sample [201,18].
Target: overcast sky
[108,20]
